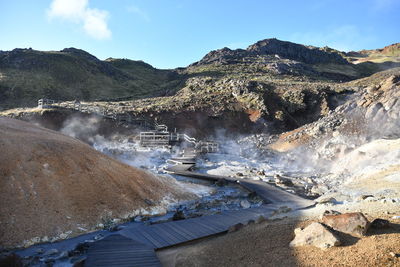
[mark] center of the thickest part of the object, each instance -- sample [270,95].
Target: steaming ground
[315,167]
[129,152]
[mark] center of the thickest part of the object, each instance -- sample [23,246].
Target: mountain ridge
[27,75]
[275,47]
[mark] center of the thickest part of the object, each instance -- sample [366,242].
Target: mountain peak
[273,46]
[79,52]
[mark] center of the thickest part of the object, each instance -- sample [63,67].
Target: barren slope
[51,184]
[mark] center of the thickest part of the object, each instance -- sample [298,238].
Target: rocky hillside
[277,48]
[27,75]
[388,53]
[272,83]
[53,186]
[370,114]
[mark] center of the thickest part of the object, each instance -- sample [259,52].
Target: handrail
[188,138]
[160,135]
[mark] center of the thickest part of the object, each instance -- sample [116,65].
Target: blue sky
[175,33]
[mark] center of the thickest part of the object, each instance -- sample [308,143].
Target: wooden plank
[117,250]
[163,231]
[177,231]
[135,234]
[188,235]
[158,241]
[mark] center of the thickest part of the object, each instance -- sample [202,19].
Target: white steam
[81,128]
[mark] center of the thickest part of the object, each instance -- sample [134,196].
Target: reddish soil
[267,244]
[51,183]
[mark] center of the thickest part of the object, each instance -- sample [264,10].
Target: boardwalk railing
[157,136]
[152,139]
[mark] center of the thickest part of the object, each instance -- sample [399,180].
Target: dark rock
[178,215]
[235,227]
[365,196]
[149,202]
[80,249]
[380,223]
[260,219]
[326,200]
[250,222]
[279,180]
[331,212]
[221,182]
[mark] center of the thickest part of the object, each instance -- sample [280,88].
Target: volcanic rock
[235,227]
[245,204]
[330,212]
[279,180]
[260,219]
[326,200]
[316,235]
[350,223]
[380,223]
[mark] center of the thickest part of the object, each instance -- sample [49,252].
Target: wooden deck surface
[117,250]
[176,232]
[267,192]
[135,244]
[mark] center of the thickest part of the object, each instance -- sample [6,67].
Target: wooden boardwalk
[267,192]
[119,251]
[176,232]
[135,244]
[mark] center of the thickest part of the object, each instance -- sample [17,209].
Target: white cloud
[137,11]
[94,21]
[95,24]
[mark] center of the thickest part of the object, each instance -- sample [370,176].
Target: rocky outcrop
[316,235]
[350,223]
[222,56]
[375,103]
[275,48]
[310,55]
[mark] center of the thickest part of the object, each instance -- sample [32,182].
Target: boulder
[330,212]
[279,180]
[178,215]
[235,227]
[350,223]
[315,235]
[245,204]
[326,200]
[260,219]
[380,223]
